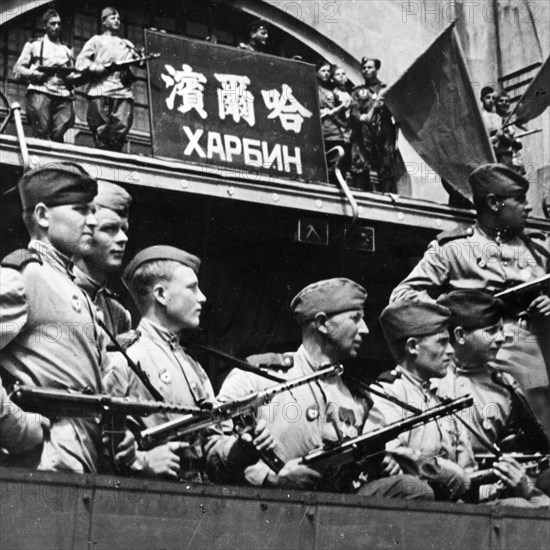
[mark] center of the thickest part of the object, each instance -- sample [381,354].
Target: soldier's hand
[164,460]
[540,305]
[37,77]
[97,68]
[512,473]
[293,475]
[262,440]
[390,466]
[126,450]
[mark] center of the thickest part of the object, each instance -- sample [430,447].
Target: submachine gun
[333,456]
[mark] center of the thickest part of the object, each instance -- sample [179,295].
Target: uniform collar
[90,285]
[159,333]
[424,386]
[56,259]
[462,369]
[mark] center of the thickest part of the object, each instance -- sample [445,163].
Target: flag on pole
[436,108]
[535,99]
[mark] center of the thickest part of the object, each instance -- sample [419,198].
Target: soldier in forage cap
[49,99]
[494,254]
[54,339]
[163,283]
[110,97]
[330,314]
[258,36]
[418,338]
[104,257]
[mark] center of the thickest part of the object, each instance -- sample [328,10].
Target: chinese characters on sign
[237,116]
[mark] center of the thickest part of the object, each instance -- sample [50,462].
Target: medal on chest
[76,304]
[312,413]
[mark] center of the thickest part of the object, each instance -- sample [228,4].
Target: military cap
[497,179]
[413,318]
[156,253]
[486,90]
[472,309]
[113,197]
[106,12]
[56,185]
[330,296]
[255,25]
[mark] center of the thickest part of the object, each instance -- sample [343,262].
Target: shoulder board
[18,259]
[389,377]
[36,39]
[278,361]
[459,232]
[126,340]
[539,235]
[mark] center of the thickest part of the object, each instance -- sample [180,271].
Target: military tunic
[492,403]
[472,259]
[444,439]
[49,104]
[54,341]
[302,419]
[115,316]
[177,376]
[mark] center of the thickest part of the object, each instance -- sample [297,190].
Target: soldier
[418,338]
[258,36]
[373,133]
[104,258]
[55,340]
[493,254]
[110,97]
[49,101]
[163,282]
[476,336]
[330,314]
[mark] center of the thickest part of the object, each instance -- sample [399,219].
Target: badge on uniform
[165,377]
[312,413]
[487,424]
[76,304]
[481,263]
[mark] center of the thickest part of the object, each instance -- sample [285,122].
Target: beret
[413,318]
[498,179]
[329,296]
[472,309]
[156,253]
[56,185]
[107,11]
[113,197]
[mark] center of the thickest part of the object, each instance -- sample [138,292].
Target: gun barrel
[374,441]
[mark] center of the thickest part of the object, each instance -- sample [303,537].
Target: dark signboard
[222,106]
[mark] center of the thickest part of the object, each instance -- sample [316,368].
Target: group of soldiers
[357,120]
[49,67]
[446,331]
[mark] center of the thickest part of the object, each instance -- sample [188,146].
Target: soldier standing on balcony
[110,98]
[259,34]
[49,101]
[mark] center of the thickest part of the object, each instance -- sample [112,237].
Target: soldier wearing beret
[330,314]
[258,36]
[110,97]
[418,338]
[104,257]
[53,338]
[476,330]
[163,283]
[494,254]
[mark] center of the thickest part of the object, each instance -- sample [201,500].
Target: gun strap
[138,371]
[236,362]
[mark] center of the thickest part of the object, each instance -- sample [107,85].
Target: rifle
[87,76]
[110,411]
[240,410]
[369,444]
[529,429]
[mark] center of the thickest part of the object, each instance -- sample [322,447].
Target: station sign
[226,107]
